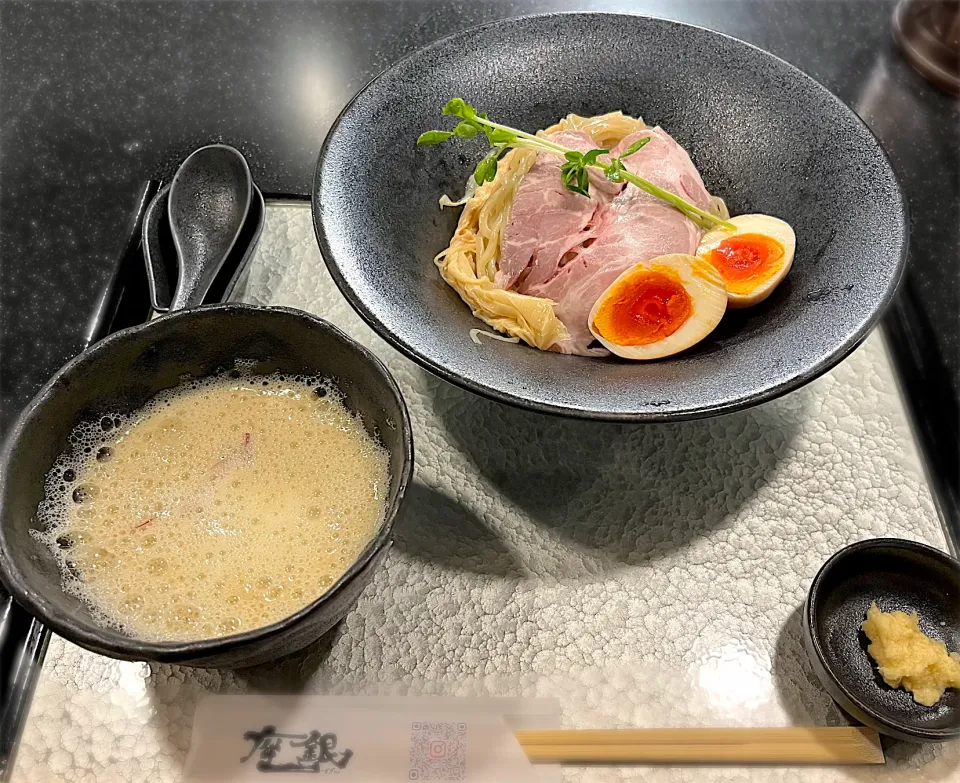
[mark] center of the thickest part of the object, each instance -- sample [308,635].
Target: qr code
[438,751]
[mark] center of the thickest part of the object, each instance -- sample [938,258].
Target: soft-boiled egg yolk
[753,259]
[744,260]
[643,307]
[659,307]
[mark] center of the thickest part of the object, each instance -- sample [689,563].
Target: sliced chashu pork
[547,221]
[633,226]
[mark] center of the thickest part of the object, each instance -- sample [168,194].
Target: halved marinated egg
[751,260]
[659,307]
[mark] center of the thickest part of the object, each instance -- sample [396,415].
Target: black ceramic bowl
[765,137]
[898,575]
[123,372]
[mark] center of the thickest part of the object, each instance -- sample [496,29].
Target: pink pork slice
[631,227]
[547,220]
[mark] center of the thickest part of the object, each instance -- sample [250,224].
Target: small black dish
[898,575]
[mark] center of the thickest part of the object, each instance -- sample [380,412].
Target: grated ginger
[908,658]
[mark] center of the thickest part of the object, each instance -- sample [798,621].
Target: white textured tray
[642,575]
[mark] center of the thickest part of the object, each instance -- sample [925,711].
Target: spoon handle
[191,290]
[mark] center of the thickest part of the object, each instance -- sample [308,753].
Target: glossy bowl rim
[130,647]
[814,599]
[849,344]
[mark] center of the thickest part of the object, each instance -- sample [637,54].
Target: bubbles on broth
[223,505]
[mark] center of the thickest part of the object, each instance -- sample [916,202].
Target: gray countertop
[645,575]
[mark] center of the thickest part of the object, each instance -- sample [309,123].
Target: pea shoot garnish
[573,172]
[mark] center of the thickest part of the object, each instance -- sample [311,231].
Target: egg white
[705,287]
[770,226]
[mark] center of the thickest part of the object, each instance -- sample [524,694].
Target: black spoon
[207,205]
[160,254]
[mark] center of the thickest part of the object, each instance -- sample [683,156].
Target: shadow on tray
[632,492]
[439,530]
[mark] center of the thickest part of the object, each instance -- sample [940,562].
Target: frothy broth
[223,505]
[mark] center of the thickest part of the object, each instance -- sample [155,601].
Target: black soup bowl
[764,136]
[121,374]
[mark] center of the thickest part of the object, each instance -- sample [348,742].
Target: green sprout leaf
[583,183]
[480,172]
[574,177]
[499,136]
[590,158]
[458,107]
[466,130]
[614,171]
[486,169]
[637,145]
[574,157]
[433,137]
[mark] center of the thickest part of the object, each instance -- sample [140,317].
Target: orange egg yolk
[643,308]
[746,260]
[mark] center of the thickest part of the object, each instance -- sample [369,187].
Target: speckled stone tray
[643,575]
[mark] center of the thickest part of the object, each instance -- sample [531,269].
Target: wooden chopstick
[794,745]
